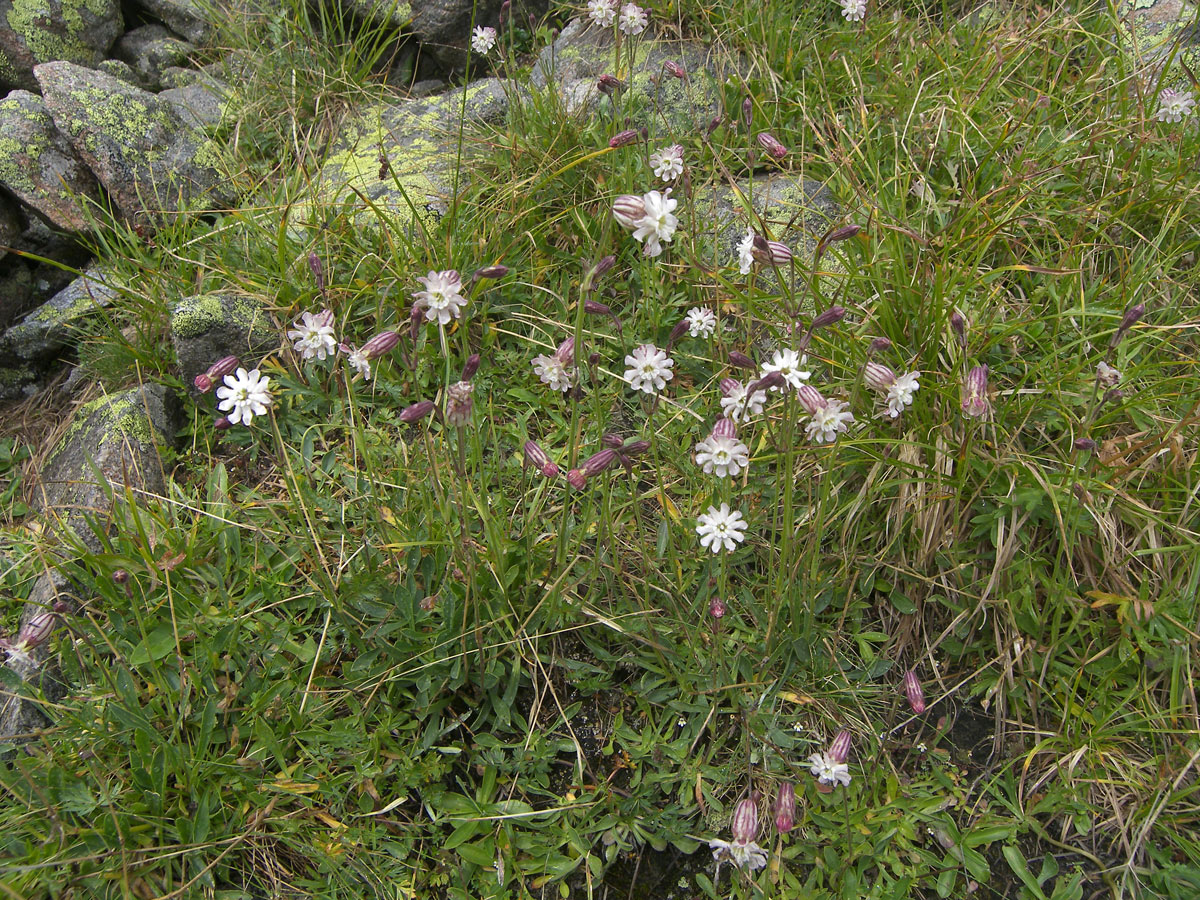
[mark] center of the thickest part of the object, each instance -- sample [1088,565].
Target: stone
[38,31]
[148,160]
[39,165]
[1153,30]
[210,327]
[583,52]
[36,670]
[201,103]
[187,18]
[10,217]
[121,71]
[444,26]
[57,322]
[417,138]
[396,14]
[150,50]
[16,290]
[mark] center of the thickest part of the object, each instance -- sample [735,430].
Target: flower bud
[599,462]
[716,608]
[680,329]
[713,124]
[537,457]
[470,367]
[831,316]
[785,807]
[1086,445]
[914,692]
[878,346]
[624,138]
[748,111]
[222,424]
[414,322]
[741,360]
[35,632]
[878,377]
[605,265]
[459,403]
[959,324]
[729,385]
[634,448]
[975,392]
[226,365]
[384,342]
[324,318]
[769,143]
[674,69]
[596,308]
[120,577]
[615,441]
[490,272]
[842,234]
[505,7]
[628,210]
[318,270]
[745,822]
[576,479]
[417,411]
[810,398]
[767,382]
[1132,316]
[770,253]
[724,428]
[565,353]
[609,85]
[839,750]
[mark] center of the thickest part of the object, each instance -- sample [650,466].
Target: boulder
[210,327]
[395,14]
[201,102]
[119,70]
[444,26]
[56,323]
[10,217]
[187,18]
[150,162]
[38,31]
[150,50]
[39,165]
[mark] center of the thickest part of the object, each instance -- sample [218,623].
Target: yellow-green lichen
[28,19]
[198,315]
[81,305]
[116,417]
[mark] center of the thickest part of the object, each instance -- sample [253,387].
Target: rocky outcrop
[38,31]
[187,18]
[10,223]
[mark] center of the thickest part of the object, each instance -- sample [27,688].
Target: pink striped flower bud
[914,692]
[810,398]
[674,69]
[565,353]
[769,143]
[1132,316]
[459,403]
[878,377]
[576,479]
[729,385]
[624,138]
[680,329]
[713,124]
[785,807]
[605,265]
[878,346]
[724,428]
[770,253]
[831,316]
[748,111]
[975,393]
[599,462]
[766,383]
[1086,445]
[716,608]
[613,441]
[634,448]
[470,367]
[490,272]
[226,365]
[839,750]
[959,324]
[745,822]
[324,318]
[415,317]
[538,458]
[416,411]
[629,211]
[596,308]
[37,630]
[741,360]
[609,85]
[842,234]
[318,270]
[384,342]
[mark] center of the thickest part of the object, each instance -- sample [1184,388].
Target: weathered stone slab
[54,324]
[1154,31]
[38,31]
[210,327]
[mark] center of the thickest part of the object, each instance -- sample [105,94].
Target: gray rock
[54,324]
[210,327]
[179,76]
[35,670]
[417,139]
[1153,30]
[38,31]
[201,103]
[121,71]
[184,17]
[39,165]
[151,49]
[16,291]
[10,217]
[584,51]
[149,161]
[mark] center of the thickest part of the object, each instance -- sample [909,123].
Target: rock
[38,31]
[583,52]
[418,140]
[187,18]
[121,71]
[39,165]
[10,217]
[1150,31]
[151,49]
[56,322]
[18,382]
[21,713]
[201,103]
[444,26]
[179,76]
[16,290]
[149,161]
[396,14]
[210,327]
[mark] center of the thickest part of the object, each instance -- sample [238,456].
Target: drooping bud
[959,324]
[226,365]
[415,318]
[975,392]
[599,462]
[724,428]
[878,377]
[577,479]
[615,441]
[768,382]
[839,750]
[745,822]
[741,360]
[505,7]
[417,411]
[680,329]
[1086,445]
[1132,316]
[605,265]
[770,253]
[384,342]
[785,808]
[609,85]
[470,367]
[831,316]
[674,69]
[729,385]
[842,234]
[628,210]
[716,608]
[37,630]
[459,403]
[318,270]
[120,577]
[538,458]
[324,318]
[624,138]
[769,143]
[914,692]
[222,424]
[565,353]
[713,124]
[596,308]
[634,448]
[878,346]
[748,111]
[810,398]
[490,272]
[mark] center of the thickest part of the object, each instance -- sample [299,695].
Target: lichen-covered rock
[149,161]
[396,14]
[444,26]
[39,165]
[200,102]
[210,327]
[150,50]
[57,322]
[119,70]
[38,31]
[400,158]
[584,51]
[186,18]
[1151,31]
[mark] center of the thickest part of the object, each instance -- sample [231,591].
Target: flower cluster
[651,218]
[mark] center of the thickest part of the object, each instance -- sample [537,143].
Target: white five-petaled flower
[735,406]
[245,395]
[553,372]
[659,222]
[633,19]
[827,421]
[721,529]
[483,39]
[1174,106]
[668,162]
[900,393]
[722,454]
[790,365]
[829,770]
[649,369]
[745,252]
[745,856]
[442,298]
[312,335]
[853,10]
[701,322]
[360,362]
[603,12]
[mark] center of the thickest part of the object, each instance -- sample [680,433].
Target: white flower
[668,162]
[659,223]
[483,40]
[723,455]
[361,363]
[633,19]
[790,365]
[649,369]
[442,297]
[603,12]
[1174,106]
[828,421]
[745,251]
[744,856]
[828,770]
[244,396]
[701,321]
[313,335]
[734,405]
[553,372]
[720,528]
[900,393]
[853,10]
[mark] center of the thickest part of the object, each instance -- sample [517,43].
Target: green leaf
[156,645]
[1016,862]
